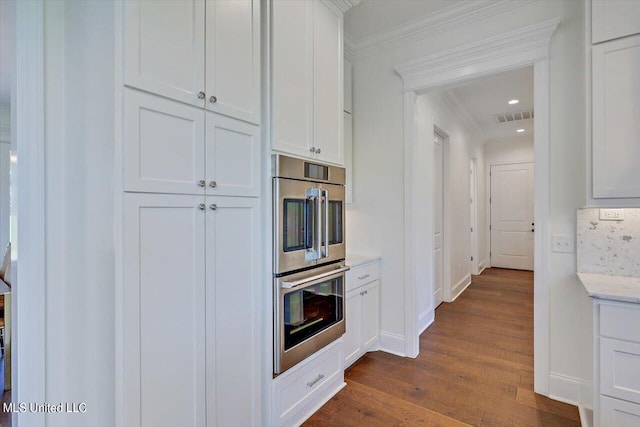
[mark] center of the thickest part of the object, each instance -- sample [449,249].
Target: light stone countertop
[616,288]
[354,260]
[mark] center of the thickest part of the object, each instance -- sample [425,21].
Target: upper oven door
[297,208]
[332,247]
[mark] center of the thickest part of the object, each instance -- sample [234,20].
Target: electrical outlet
[612,214]
[563,244]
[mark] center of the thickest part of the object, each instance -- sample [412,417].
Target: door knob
[312,149]
[213,99]
[202,183]
[201,95]
[213,184]
[318,151]
[213,206]
[202,206]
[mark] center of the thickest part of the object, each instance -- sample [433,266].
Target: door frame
[446,245]
[473,208]
[508,51]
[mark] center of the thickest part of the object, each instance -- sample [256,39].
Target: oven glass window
[297,229]
[310,310]
[335,222]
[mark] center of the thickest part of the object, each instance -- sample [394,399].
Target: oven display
[316,171]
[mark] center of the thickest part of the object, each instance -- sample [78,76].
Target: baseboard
[482,266]
[392,343]
[586,416]
[425,319]
[565,389]
[459,287]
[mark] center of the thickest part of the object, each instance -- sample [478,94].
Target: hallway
[475,367]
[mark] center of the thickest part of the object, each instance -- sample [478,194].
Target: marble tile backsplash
[609,247]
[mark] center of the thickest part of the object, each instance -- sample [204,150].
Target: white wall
[376,223]
[5,165]
[79,134]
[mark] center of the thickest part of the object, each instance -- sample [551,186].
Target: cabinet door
[233,321]
[348,157]
[618,413]
[163,145]
[371,315]
[292,76]
[233,58]
[163,310]
[611,19]
[232,157]
[353,335]
[164,48]
[328,72]
[616,118]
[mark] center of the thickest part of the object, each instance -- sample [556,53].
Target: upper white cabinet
[612,19]
[307,79]
[164,53]
[170,147]
[616,118]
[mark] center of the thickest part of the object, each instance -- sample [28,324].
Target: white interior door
[473,192]
[438,216]
[512,223]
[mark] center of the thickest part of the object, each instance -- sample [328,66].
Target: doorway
[439,139]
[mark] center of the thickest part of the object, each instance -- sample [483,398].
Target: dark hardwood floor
[475,367]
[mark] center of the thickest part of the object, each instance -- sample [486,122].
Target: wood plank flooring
[475,368]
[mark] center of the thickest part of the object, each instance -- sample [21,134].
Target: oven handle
[326,222]
[297,283]
[318,223]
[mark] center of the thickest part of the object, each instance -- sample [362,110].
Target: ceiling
[483,98]
[375,16]
[7,25]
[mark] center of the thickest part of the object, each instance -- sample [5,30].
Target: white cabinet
[617,364]
[307,78]
[616,118]
[175,148]
[164,53]
[348,157]
[191,310]
[363,311]
[611,19]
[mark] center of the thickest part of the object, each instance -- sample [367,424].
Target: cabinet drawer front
[617,413]
[622,322]
[620,369]
[291,392]
[362,274]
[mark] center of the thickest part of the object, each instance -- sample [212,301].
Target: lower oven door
[310,309]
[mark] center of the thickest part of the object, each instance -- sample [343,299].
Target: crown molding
[454,104]
[519,48]
[345,5]
[445,19]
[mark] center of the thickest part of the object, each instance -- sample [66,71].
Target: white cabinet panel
[164,295]
[233,58]
[622,322]
[233,308]
[371,315]
[617,413]
[292,76]
[362,274]
[353,335]
[348,86]
[164,48]
[328,73]
[620,369]
[611,19]
[232,157]
[163,145]
[616,118]
[348,157]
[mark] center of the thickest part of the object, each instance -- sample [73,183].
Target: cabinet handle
[213,184]
[312,149]
[213,206]
[314,382]
[363,277]
[362,293]
[201,95]
[213,99]
[202,206]
[318,151]
[202,183]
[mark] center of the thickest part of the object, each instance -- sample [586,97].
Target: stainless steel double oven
[309,253]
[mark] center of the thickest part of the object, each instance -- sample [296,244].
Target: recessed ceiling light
[520,130]
[514,101]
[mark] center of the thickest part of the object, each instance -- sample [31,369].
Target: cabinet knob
[312,149]
[202,206]
[201,95]
[213,184]
[213,206]
[202,183]
[213,99]
[318,150]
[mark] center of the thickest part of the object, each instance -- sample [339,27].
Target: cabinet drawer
[362,274]
[622,322]
[620,369]
[293,388]
[617,413]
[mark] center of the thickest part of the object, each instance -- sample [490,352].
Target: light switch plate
[612,214]
[563,244]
